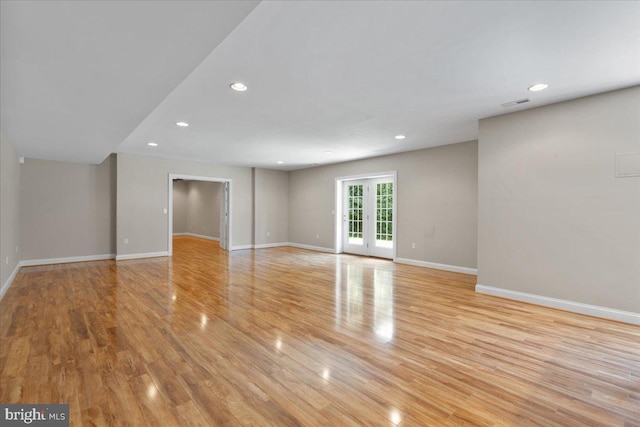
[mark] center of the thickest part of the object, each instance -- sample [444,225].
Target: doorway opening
[366,215]
[204,228]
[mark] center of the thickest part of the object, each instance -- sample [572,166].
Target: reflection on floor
[286,336]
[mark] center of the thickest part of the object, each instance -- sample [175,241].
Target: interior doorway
[224,225]
[366,215]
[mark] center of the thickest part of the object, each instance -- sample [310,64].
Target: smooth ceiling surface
[344,77]
[77,77]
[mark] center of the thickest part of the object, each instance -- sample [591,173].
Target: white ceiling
[77,77]
[338,76]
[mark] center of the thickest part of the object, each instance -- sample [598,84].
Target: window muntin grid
[384,214]
[356,214]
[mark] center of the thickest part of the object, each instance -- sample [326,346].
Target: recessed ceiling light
[538,87]
[239,87]
[280,162]
[152,144]
[327,152]
[400,137]
[182,124]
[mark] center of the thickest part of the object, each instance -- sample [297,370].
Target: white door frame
[354,248]
[339,203]
[173,176]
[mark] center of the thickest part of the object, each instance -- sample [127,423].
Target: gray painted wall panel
[271,206]
[436,202]
[68,209]
[180,207]
[143,196]
[9,209]
[204,202]
[553,218]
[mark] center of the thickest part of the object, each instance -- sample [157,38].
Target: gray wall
[204,203]
[436,202]
[68,209]
[271,206]
[142,197]
[180,206]
[553,218]
[9,209]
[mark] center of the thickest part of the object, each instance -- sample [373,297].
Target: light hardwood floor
[290,337]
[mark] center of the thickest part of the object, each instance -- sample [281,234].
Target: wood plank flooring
[285,336]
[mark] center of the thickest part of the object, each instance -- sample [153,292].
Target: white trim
[199,236]
[173,176]
[49,261]
[271,245]
[5,286]
[241,247]
[278,245]
[367,176]
[338,222]
[32,262]
[312,248]
[447,267]
[338,217]
[575,307]
[395,214]
[137,256]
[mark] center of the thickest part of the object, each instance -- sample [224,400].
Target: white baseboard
[277,245]
[32,262]
[241,247]
[200,236]
[138,256]
[312,248]
[49,261]
[575,307]
[9,280]
[271,245]
[447,267]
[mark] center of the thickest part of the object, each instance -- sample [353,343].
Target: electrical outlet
[268,234]
[126,241]
[317,236]
[413,246]
[165,210]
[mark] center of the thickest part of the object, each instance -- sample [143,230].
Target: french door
[368,217]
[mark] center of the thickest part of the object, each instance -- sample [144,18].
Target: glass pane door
[356,214]
[383,218]
[368,217]
[355,226]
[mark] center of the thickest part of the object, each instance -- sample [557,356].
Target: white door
[368,217]
[355,224]
[224,217]
[382,201]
